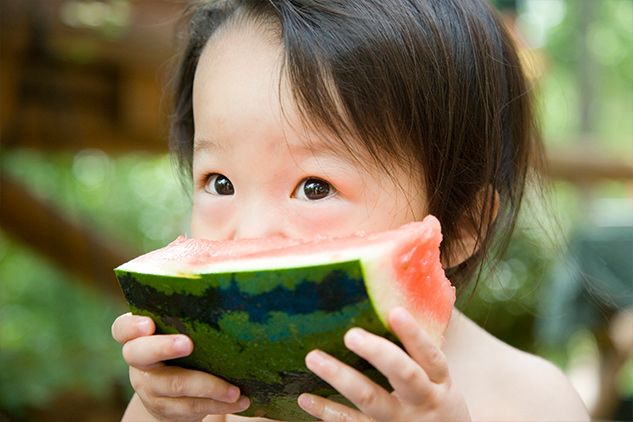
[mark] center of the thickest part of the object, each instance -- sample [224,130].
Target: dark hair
[434,85]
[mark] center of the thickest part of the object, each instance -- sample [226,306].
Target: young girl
[306,117]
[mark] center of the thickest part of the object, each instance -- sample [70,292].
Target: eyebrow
[205,144]
[311,147]
[316,144]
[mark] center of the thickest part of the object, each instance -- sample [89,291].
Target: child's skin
[285,180]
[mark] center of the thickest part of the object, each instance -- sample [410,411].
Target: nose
[257,221]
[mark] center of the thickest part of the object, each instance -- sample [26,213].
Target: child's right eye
[218,184]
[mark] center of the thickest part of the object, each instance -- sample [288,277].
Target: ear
[474,225]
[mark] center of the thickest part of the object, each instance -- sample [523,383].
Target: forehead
[237,74]
[240,91]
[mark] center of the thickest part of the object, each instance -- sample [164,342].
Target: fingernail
[143,326]
[403,315]
[354,337]
[244,403]
[181,344]
[306,402]
[317,360]
[232,394]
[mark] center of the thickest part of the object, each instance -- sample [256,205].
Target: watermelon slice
[254,308]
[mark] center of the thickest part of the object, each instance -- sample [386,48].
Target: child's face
[257,172]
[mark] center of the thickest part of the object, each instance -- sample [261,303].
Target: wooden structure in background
[69,89]
[73,247]
[64,88]
[586,165]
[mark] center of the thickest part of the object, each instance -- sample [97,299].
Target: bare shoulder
[501,382]
[544,391]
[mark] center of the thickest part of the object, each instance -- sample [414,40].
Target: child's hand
[169,392]
[423,390]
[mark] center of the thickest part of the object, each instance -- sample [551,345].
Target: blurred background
[86,184]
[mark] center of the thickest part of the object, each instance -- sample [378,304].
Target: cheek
[331,219]
[391,208]
[324,221]
[209,218]
[372,210]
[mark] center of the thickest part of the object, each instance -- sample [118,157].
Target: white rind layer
[256,263]
[185,258]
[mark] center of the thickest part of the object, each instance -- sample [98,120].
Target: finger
[127,327]
[368,396]
[329,411]
[173,381]
[419,345]
[193,408]
[146,352]
[404,374]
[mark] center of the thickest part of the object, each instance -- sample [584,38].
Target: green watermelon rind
[268,357]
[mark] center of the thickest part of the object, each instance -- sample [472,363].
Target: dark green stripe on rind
[323,288]
[259,341]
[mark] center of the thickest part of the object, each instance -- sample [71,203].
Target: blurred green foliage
[53,332]
[609,48]
[123,197]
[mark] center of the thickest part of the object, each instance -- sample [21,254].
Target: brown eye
[313,189]
[218,184]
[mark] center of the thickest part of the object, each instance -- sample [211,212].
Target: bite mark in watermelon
[254,308]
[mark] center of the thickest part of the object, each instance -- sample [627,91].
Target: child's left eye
[313,189]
